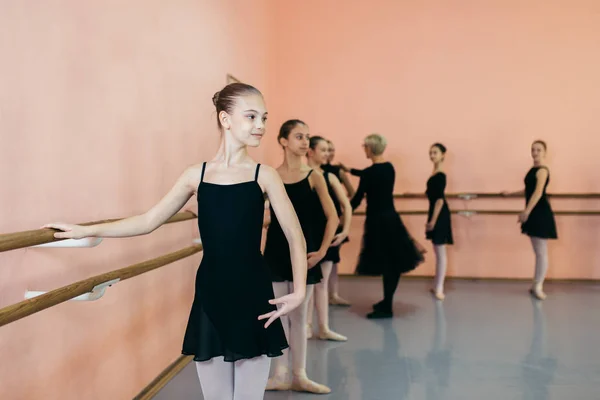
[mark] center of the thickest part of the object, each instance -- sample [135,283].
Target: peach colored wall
[102,106]
[484,78]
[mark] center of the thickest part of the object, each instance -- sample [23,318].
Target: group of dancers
[249,307]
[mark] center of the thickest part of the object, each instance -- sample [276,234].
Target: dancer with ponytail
[303,186]
[318,154]
[439,226]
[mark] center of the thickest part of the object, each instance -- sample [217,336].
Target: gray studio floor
[487,340]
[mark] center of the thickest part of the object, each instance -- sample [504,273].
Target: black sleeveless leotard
[277,251]
[541,222]
[233,285]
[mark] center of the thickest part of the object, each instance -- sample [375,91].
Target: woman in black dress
[439,227]
[226,332]
[387,247]
[317,156]
[334,294]
[305,187]
[537,220]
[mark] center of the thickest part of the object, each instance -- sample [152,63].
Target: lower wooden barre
[163,378]
[19,240]
[31,306]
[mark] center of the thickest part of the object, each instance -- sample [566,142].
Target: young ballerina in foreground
[234,327]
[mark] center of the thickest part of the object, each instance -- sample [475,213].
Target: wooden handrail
[18,240]
[31,306]
[498,195]
[163,378]
[489,212]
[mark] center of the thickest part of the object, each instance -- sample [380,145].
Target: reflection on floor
[487,340]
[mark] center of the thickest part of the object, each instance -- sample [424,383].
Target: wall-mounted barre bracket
[467,196]
[467,213]
[74,243]
[96,293]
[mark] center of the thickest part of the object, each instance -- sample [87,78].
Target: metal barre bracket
[466,213]
[467,196]
[74,243]
[96,293]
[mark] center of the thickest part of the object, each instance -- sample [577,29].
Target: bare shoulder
[333,179]
[317,178]
[191,176]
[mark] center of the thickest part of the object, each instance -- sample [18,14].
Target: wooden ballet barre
[18,240]
[163,378]
[468,196]
[487,212]
[49,299]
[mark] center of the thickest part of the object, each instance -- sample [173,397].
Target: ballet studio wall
[102,105]
[483,78]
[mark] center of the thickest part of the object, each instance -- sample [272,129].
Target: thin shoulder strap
[203,168]
[309,172]
[256,174]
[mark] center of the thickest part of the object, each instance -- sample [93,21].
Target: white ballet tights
[321,298]
[333,280]
[441,263]
[239,380]
[540,248]
[294,325]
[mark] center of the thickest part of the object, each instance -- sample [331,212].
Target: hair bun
[215,98]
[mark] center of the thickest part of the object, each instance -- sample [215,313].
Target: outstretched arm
[140,224]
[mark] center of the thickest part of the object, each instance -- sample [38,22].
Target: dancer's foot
[380,314]
[537,292]
[378,306]
[336,300]
[438,294]
[303,384]
[328,334]
[279,383]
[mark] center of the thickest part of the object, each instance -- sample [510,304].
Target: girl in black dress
[318,154]
[226,331]
[334,296]
[537,220]
[305,187]
[438,228]
[387,248]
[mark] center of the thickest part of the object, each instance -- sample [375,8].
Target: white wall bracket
[96,293]
[73,243]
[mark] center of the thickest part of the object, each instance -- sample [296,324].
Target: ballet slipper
[301,383]
[327,334]
[438,295]
[309,331]
[538,293]
[336,300]
[279,383]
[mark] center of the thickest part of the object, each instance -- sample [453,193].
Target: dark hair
[440,146]
[542,143]
[314,140]
[224,100]
[287,127]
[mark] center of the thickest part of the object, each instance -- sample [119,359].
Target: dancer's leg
[540,248]
[298,347]
[281,380]
[334,295]
[250,378]
[216,378]
[322,303]
[309,316]
[441,263]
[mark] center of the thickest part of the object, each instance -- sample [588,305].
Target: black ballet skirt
[233,285]
[541,222]
[277,250]
[442,231]
[386,244]
[333,252]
